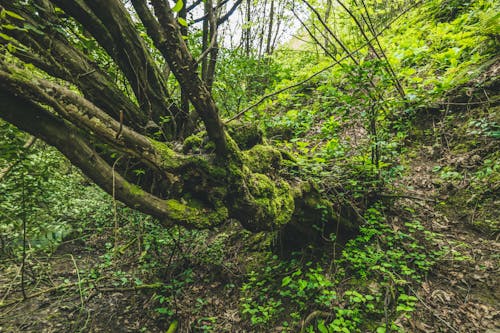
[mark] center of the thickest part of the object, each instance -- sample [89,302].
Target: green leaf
[321,327]
[9,26]
[182,22]
[12,14]
[162,310]
[6,37]
[34,29]
[178,6]
[11,48]
[286,281]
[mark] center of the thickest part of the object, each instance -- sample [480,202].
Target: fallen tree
[56,88]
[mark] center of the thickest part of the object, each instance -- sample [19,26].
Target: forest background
[344,179]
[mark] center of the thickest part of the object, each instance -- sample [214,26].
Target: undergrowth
[367,288]
[348,130]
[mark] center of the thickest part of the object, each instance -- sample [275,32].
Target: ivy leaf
[178,6]
[182,21]
[286,281]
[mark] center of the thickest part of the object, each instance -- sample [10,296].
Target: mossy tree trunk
[56,88]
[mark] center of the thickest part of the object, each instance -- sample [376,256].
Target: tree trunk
[196,189]
[270,29]
[247,30]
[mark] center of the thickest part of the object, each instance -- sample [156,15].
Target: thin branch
[230,12]
[390,68]
[77,270]
[318,16]
[205,53]
[368,43]
[193,5]
[399,87]
[433,312]
[39,293]
[219,5]
[312,316]
[383,195]
[157,285]
[327,52]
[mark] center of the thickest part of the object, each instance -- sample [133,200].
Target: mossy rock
[193,144]
[246,135]
[274,199]
[263,159]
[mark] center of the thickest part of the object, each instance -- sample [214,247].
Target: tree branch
[120,39]
[274,93]
[64,61]
[228,14]
[32,118]
[77,109]
[174,49]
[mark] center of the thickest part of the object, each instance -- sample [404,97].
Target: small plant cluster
[367,288]
[42,190]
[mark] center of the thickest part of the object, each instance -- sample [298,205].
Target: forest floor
[446,182]
[461,292]
[449,184]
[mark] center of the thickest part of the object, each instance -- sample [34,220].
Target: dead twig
[45,291]
[313,315]
[383,195]
[433,312]
[157,285]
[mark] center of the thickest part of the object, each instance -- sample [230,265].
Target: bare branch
[64,61]
[174,49]
[77,109]
[230,12]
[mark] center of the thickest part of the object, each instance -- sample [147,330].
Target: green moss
[274,200]
[135,190]
[169,157]
[246,135]
[196,217]
[263,159]
[192,143]
[260,185]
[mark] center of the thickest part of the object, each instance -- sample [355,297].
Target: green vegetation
[372,177]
